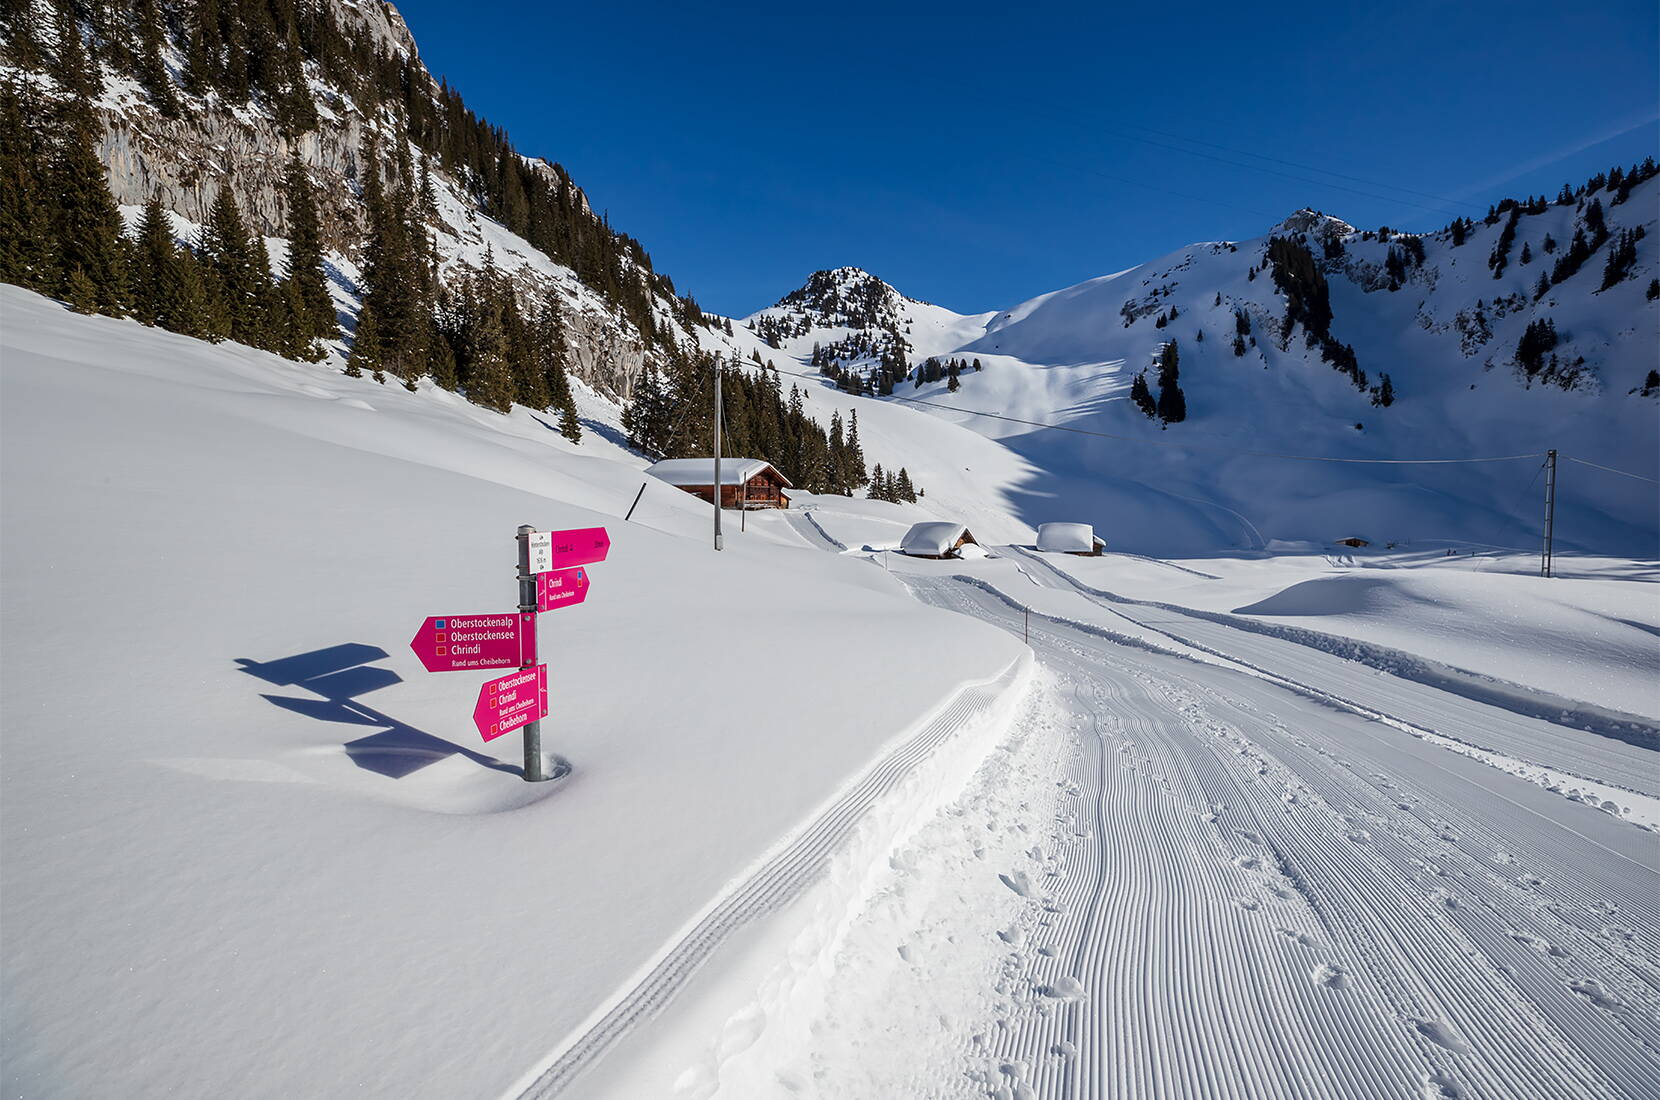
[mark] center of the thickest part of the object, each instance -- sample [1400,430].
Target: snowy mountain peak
[1314,224]
[846,297]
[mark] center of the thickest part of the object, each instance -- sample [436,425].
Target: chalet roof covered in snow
[934,539]
[1067,538]
[701,471]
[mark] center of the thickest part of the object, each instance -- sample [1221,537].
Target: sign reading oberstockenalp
[459,643]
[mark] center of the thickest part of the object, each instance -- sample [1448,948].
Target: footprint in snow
[1012,936]
[1065,988]
[1248,904]
[1248,835]
[1445,898]
[1301,938]
[1330,976]
[1019,882]
[1247,863]
[1595,992]
[1359,836]
[1439,1085]
[1440,1033]
[1544,947]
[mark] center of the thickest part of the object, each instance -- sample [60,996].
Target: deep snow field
[1248,824]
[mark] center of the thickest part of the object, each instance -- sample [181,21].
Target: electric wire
[1610,469]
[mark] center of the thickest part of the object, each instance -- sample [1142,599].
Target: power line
[1439,209]
[1304,167]
[1610,469]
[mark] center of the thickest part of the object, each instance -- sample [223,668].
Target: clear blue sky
[975,155]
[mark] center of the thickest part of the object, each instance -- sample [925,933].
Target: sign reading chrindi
[551,576]
[561,588]
[550,550]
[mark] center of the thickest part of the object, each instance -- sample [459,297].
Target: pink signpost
[511,702]
[550,577]
[461,643]
[561,588]
[550,550]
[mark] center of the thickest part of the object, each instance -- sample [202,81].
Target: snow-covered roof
[1067,538]
[701,471]
[934,538]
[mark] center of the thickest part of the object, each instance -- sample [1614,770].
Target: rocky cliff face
[185,161]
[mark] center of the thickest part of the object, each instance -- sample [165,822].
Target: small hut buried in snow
[936,540]
[745,482]
[1354,541]
[1069,538]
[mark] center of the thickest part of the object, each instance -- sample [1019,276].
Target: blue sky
[975,156]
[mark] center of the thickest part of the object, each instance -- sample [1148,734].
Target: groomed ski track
[1250,892]
[782,877]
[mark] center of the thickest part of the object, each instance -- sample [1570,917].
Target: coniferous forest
[479,333]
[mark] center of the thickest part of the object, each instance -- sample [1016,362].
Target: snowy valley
[1231,809]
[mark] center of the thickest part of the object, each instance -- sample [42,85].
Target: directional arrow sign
[512,701]
[551,550]
[458,643]
[561,588]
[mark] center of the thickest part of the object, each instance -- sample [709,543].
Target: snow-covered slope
[267,851]
[1446,336]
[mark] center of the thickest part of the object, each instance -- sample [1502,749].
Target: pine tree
[905,491]
[25,244]
[243,270]
[1172,405]
[305,254]
[152,73]
[86,226]
[365,353]
[1141,396]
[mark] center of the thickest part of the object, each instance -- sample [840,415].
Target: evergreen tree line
[62,234]
[1298,277]
[672,416]
[891,487]
[932,370]
[1170,407]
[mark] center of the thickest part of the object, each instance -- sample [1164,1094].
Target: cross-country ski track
[1205,861]
[1253,893]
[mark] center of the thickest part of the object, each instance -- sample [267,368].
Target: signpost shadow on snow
[336,676]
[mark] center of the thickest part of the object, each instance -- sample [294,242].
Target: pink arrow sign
[458,643]
[510,702]
[561,588]
[551,550]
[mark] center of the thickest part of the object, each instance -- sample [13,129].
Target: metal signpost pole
[717,455]
[535,767]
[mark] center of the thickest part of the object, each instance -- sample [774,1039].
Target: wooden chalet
[1353,540]
[745,482]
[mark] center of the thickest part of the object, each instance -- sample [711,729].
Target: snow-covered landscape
[1273,768]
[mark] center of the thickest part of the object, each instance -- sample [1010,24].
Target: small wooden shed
[936,540]
[1070,538]
[1353,540]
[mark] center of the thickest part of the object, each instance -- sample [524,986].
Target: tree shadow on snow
[336,676]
